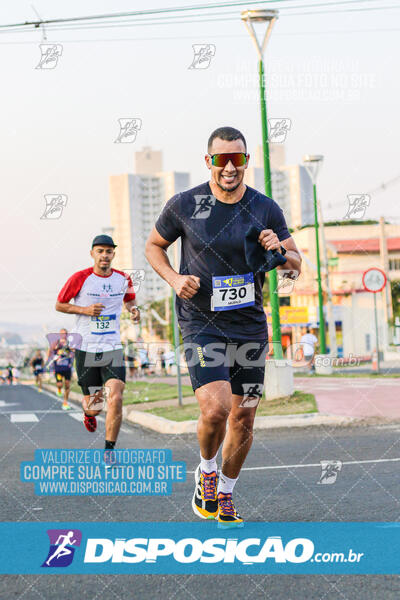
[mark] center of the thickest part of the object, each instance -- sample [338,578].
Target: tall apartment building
[254,177]
[135,202]
[291,185]
[301,202]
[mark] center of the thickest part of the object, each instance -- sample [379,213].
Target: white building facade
[136,200]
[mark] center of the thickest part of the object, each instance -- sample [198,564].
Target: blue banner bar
[195,548]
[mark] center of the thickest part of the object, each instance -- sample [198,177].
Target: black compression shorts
[95,368]
[214,358]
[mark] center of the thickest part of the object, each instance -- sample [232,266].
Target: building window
[394,264]
[284,300]
[368,342]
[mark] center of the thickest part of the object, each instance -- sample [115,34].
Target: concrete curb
[165,426]
[162,425]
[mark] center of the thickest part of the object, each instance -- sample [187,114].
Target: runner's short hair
[228,134]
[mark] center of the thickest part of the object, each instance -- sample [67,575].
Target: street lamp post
[175,332]
[249,17]
[312,163]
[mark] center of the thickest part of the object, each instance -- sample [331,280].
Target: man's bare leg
[239,437]
[88,402]
[114,408]
[215,401]
[67,387]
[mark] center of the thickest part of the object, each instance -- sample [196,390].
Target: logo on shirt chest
[106,290]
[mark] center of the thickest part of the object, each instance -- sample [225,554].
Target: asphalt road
[366,491]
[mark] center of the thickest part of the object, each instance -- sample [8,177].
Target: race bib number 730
[232,291]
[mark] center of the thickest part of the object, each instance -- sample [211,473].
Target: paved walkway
[352,396]
[356,397]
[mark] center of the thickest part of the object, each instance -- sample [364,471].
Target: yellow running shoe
[227,515]
[204,502]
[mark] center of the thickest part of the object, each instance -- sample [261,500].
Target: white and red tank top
[98,334]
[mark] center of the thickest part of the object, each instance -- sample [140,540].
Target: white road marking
[55,411]
[23,418]
[78,416]
[349,462]
[3,403]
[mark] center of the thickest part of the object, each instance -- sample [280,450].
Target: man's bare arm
[133,310]
[185,286]
[93,310]
[156,254]
[293,258]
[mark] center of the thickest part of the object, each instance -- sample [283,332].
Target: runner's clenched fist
[186,286]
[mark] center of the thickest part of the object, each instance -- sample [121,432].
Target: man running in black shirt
[220,310]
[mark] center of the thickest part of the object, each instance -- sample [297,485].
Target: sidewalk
[354,396]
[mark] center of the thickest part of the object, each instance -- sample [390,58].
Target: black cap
[103,240]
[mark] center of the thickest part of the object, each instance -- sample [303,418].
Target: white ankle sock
[208,465]
[226,484]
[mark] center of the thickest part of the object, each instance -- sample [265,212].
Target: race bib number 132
[103,324]
[232,291]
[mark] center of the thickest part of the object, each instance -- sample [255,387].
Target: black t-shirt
[37,363]
[213,235]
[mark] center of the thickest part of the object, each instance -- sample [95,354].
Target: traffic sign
[374,280]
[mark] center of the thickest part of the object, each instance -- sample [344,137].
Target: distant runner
[9,376]
[37,365]
[222,224]
[16,373]
[62,358]
[99,293]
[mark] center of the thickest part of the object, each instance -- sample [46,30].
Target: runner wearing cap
[231,235]
[99,293]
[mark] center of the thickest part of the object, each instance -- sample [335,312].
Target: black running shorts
[62,374]
[95,368]
[214,358]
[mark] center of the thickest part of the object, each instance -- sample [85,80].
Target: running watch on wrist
[283,251]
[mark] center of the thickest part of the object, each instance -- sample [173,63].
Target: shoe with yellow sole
[228,517]
[204,502]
